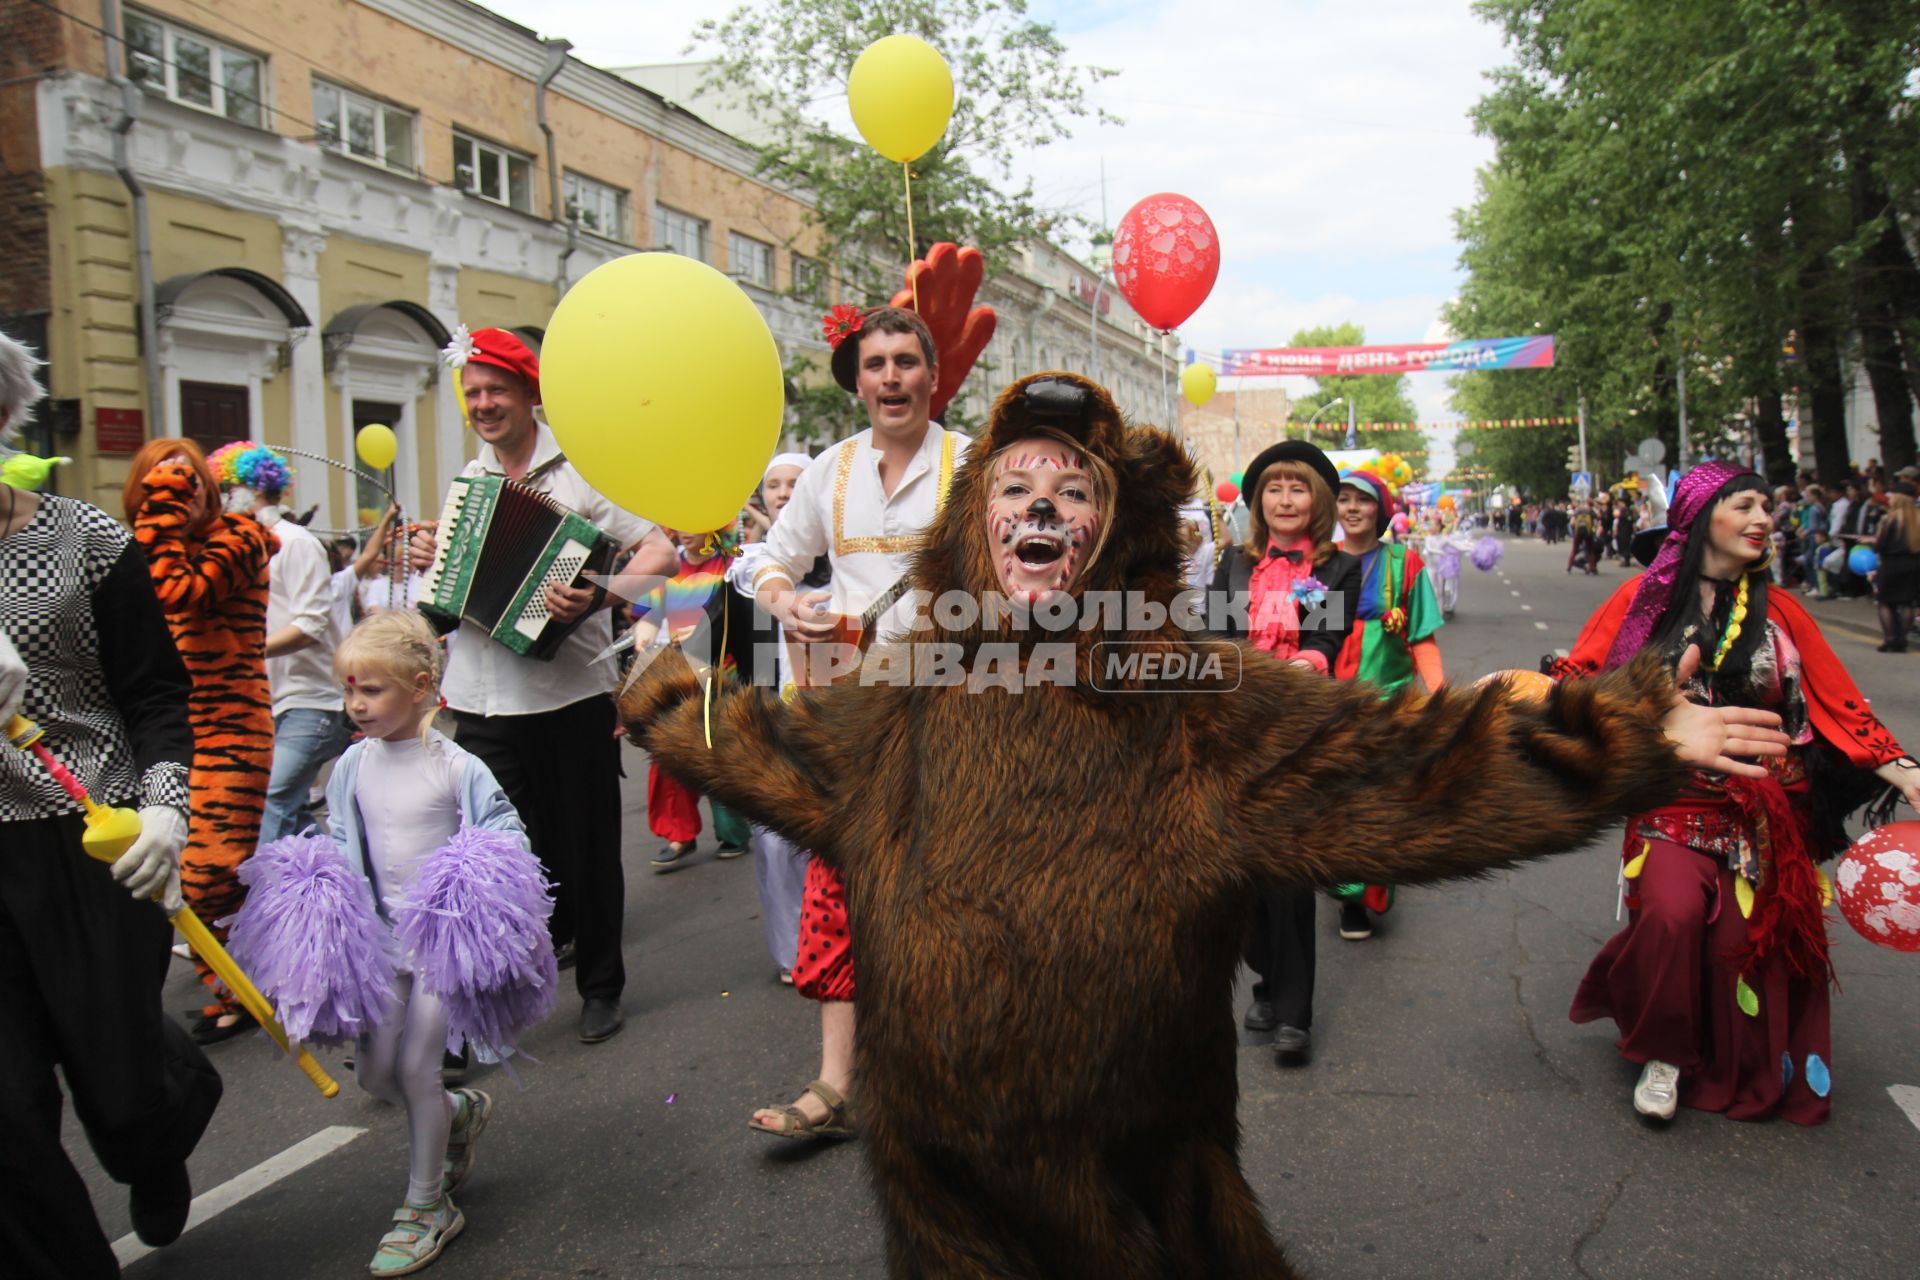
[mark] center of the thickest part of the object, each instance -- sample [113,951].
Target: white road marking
[129,1249]
[1541,626]
[1907,1098]
[1513,593]
[1560,653]
[1526,608]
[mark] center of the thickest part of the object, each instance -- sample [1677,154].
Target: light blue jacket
[482,804]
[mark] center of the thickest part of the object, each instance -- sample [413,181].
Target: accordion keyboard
[450,513]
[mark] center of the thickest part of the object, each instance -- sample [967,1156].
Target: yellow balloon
[901,96]
[1198,383]
[376,445]
[662,383]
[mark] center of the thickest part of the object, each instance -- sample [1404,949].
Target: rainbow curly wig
[253,465]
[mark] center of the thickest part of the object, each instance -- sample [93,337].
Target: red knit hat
[504,350]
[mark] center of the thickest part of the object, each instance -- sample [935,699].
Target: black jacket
[1342,574]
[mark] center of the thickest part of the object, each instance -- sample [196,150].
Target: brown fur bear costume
[1047,889]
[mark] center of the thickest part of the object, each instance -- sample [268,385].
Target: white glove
[13,680]
[151,869]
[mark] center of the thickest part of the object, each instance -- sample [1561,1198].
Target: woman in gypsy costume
[1395,616]
[210,571]
[1719,981]
[1299,587]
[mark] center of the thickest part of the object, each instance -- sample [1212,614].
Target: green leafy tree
[1680,186]
[1015,89]
[1375,397]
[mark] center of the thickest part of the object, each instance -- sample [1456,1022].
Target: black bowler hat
[1290,451]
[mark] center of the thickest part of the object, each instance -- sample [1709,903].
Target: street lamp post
[1331,404]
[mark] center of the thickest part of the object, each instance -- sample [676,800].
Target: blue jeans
[303,740]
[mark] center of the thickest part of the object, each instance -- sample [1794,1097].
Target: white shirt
[300,594]
[485,677]
[376,593]
[409,798]
[839,509]
[345,582]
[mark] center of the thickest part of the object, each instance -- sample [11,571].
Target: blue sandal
[418,1237]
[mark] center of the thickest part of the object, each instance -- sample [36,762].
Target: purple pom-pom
[1446,558]
[310,939]
[475,925]
[1487,552]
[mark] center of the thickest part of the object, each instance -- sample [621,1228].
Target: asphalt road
[1452,1121]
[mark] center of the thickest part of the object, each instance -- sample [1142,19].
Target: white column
[300,271]
[449,433]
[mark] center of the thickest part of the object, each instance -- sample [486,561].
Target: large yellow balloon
[901,95]
[1198,384]
[376,445]
[663,385]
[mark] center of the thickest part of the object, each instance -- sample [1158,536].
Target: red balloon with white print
[1166,256]
[1878,884]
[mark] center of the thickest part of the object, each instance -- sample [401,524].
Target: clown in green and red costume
[1391,642]
[1398,612]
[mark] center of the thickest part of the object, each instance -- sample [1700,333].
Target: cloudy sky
[1328,140]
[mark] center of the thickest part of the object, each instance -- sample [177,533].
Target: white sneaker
[1658,1093]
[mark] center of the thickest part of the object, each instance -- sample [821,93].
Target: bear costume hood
[1150,477]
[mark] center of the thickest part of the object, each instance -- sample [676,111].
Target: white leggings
[400,1063]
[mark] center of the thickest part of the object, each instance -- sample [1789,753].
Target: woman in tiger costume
[210,571]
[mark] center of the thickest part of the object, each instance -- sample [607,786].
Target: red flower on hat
[841,323]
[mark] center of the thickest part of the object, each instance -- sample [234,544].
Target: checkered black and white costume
[81,959]
[103,677]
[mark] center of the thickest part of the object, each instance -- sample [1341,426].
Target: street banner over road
[1419,357]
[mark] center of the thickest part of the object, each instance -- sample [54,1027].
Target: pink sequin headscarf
[1692,497]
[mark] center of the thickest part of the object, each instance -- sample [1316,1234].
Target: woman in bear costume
[1017,858]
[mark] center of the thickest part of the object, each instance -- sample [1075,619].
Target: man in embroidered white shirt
[546,728]
[864,504]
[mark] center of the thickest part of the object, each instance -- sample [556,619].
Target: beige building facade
[324,191]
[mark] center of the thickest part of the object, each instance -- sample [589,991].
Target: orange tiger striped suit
[214,590]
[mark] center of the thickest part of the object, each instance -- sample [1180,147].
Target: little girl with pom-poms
[418,924]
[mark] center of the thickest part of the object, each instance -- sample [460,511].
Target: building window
[750,260]
[596,206]
[680,233]
[492,173]
[363,128]
[186,67]
[809,279]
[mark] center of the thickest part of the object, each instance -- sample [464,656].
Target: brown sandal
[794,1123]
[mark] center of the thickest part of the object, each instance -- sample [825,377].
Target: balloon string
[913,277]
[713,674]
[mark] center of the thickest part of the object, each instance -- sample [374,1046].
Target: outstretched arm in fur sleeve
[1333,786]
[769,760]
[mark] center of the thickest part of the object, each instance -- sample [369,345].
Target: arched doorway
[380,359]
[223,335]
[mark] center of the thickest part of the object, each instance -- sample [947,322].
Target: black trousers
[561,769]
[81,967]
[1280,952]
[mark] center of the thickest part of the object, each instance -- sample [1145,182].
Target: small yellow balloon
[1198,383]
[662,383]
[901,96]
[376,445]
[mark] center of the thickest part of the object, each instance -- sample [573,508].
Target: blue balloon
[1862,560]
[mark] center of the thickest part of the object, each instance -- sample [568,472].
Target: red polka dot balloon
[1878,884]
[1166,256]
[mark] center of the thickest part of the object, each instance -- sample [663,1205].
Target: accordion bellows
[500,544]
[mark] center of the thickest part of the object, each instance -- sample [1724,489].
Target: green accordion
[500,545]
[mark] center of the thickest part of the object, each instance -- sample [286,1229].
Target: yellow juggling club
[110,833]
